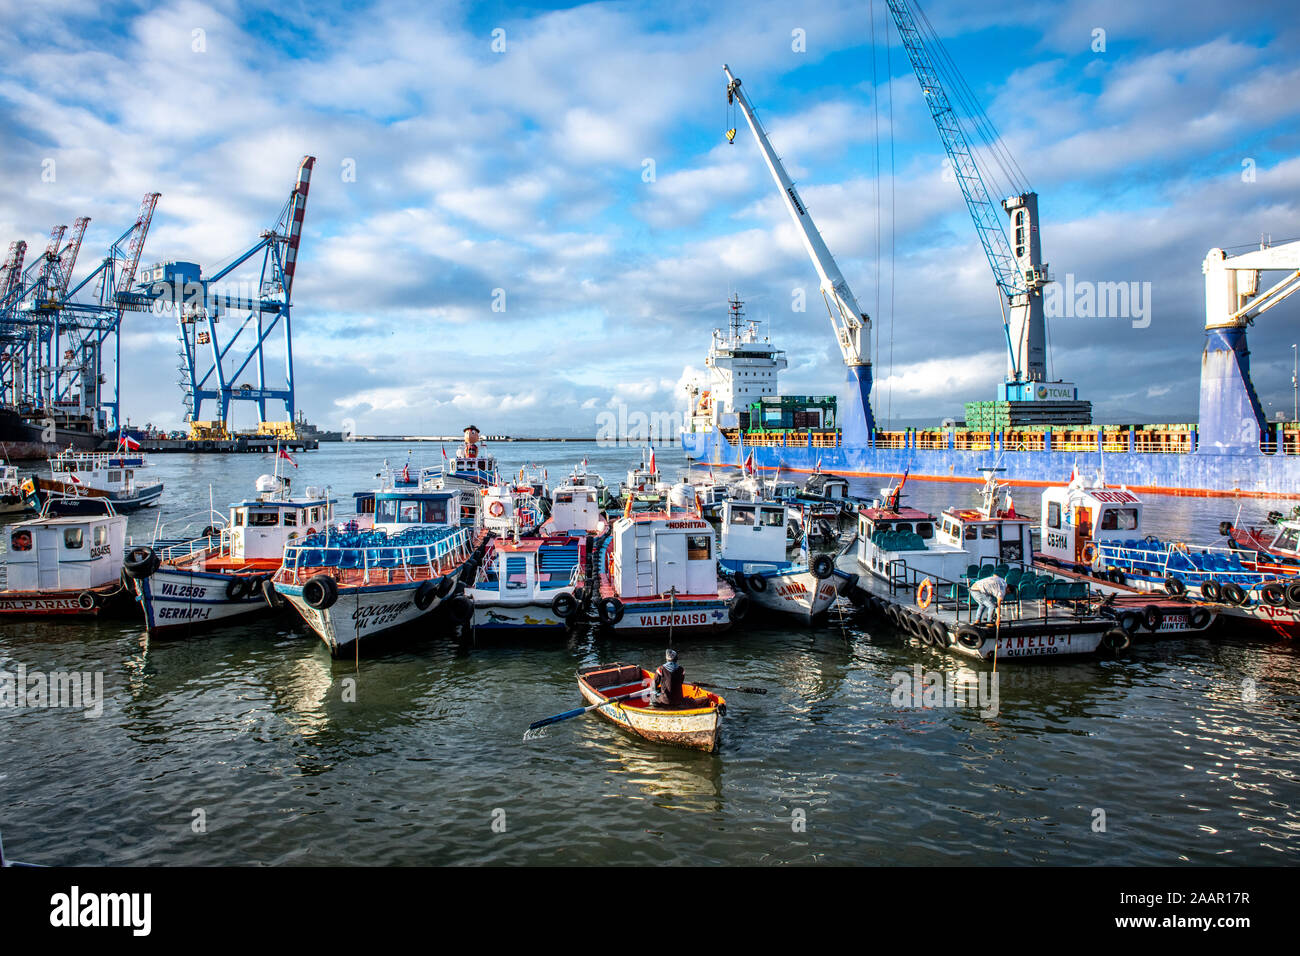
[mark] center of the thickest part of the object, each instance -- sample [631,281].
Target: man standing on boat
[989,592]
[668,681]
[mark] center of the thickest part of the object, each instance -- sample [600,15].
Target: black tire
[757,583]
[1211,591]
[1129,621]
[426,594]
[1293,595]
[739,581]
[445,587]
[460,609]
[273,597]
[86,600]
[1273,593]
[739,608]
[1152,617]
[1115,576]
[939,634]
[211,531]
[611,611]
[1115,641]
[237,588]
[969,637]
[1175,587]
[822,567]
[564,605]
[1225,528]
[1233,594]
[141,562]
[1198,618]
[320,591]
[891,615]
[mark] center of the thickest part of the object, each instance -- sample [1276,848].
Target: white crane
[852,326]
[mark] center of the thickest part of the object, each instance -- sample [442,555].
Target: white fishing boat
[115,476]
[355,583]
[581,477]
[575,509]
[529,584]
[754,560]
[508,509]
[658,572]
[225,572]
[14,499]
[65,563]
[644,486]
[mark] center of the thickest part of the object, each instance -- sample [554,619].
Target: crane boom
[852,326]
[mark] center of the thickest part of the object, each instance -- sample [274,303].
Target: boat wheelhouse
[580,477]
[509,509]
[575,509]
[753,559]
[114,475]
[64,562]
[529,584]
[659,573]
[644,485]
[225,572]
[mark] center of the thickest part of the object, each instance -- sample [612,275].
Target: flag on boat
[406,472]
[127,442]
[749,464]
[817,468]
[444,452]
[584,463]
[652,460]
[74,479]
[285,455]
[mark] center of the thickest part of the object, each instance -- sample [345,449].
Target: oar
[738,690]
[546,721]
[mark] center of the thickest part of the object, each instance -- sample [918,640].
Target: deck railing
[375,558]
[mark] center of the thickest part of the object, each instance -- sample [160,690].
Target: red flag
[285,455]
[406,472]
[749,465]
[130,443]
[652,459]
[444,452]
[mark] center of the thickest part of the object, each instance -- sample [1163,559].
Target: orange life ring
[1088,553]
[924,594]
[22,541]
[496,509]
[311,531]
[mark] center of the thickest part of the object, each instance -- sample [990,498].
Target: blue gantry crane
[235,369]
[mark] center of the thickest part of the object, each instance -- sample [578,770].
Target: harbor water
[249,745]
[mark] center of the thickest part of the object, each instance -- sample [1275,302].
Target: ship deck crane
[1016,263]
[852,326]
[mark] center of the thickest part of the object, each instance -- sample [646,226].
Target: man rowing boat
[669,679]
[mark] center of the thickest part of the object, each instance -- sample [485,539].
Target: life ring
[21,541]
[924,594]
[1089,553]
[310,531]
[496,509]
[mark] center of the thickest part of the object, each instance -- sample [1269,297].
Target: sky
[526,216]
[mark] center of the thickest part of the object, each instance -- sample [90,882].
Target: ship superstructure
[743,367]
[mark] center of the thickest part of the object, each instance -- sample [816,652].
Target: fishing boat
[697,724]
[356,582]
[509,509]
[575,509]
[644,487]
[65,562]
[915,569]
[80,476]
[658,574]
[225,572]
[581,477]
[753,559]
[529,584]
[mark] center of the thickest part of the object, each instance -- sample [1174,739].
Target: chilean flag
[406,472]
[652,459]
[749,464]
[127,442]
[285,455]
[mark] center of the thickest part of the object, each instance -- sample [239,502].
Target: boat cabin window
[1289,539]
[74,538]
[1053,514]
[315,515]
[1119,519]
[290,518]
[699,547]
[101,536]
[129,473]
[742,516]
[901,526]
[263,519]
[564,498]
[516,572]
[114,477]
[970,533]
[773,518]
[238,519]
[989,531]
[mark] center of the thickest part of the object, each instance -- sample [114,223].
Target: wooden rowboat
[696,724]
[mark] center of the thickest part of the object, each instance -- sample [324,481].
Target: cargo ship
[1039,431]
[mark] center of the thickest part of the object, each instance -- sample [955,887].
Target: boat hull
[682,617]
[490,616]
[83,603]
[122,503]
[175,599]
[799,593]
[361,613]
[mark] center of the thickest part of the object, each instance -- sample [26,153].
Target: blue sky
[522,170]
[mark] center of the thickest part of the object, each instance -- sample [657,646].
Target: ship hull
[1196,474]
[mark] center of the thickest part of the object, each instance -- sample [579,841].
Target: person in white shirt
[988,592]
